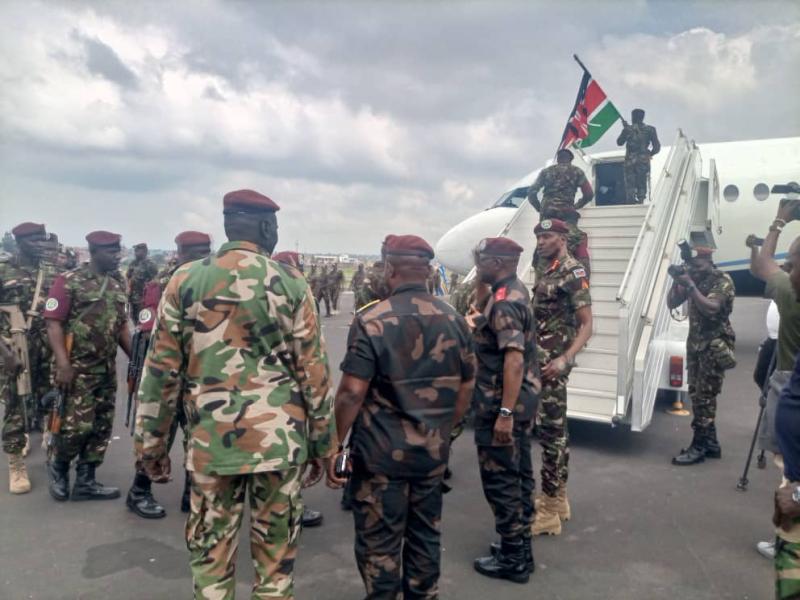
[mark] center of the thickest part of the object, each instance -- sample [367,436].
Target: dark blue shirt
[787,424]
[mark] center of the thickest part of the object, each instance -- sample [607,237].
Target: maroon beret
[140,245]
[27,228]
[552,225]
[288,258]
[499,246]
[103,238]
[192,238]
[407,245]
[249,201]
[702,251]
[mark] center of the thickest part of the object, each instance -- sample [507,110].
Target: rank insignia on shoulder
[366,306]
[579,272]
[501,294]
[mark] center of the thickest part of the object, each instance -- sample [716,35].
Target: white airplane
[746,170]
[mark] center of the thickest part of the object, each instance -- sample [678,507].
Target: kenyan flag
[591,117]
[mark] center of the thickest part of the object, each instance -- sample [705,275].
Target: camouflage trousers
[635,172]
[13,418]
[88,418]
[335,293]
[787,569]
[705,384]
[397,545]
[212,531]
[553,435]
[508,483]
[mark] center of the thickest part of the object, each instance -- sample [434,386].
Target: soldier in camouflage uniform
[88,306]
[140,271]
[563,313]
[240,333]
[356,284]
[191,246]
[18,279]
[407,378]
[641,145]
[504,406]
[560,182]
[374,287]
[709,347]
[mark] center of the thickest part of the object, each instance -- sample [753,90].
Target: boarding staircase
[617,375]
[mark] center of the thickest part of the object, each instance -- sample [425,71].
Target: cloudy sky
[359,118]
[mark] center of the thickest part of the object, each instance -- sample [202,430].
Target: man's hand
[158,469]
[685,280]
[555,368]
[472,314]
[786,509]
[332,481]
[787,210]
[503,426]
[64,374]
[315,472]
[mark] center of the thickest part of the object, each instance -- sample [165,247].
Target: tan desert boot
[547,521]
[18,482]
[564,510]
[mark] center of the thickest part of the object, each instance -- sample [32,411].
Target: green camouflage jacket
[557,296]
[638,139]
[17,286]
[242,333]
[705,328]
[560,183]
[416,352]
[138,274]
[92,308]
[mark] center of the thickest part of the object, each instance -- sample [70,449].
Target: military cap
[287,258]
[637,111]
[192,238]
[140,245]
[702,251]
[249,201]
[103,238]
[552,225]
[565,152]
[406,245]
[499,246]
[27,228]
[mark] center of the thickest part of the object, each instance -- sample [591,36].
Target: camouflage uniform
[138,274]
[637,138]
[705,375]
[416,352]
[560,183]
[17,286]
[561,291]
[92,309]
[336,281]
[357,285]
[506,471]
[240,331]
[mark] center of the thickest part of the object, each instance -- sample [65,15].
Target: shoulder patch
[366,306]
[51,304]
[579,272]
[501,294]
[145,315]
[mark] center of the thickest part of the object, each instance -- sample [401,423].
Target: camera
[792,189]
[676,271]
[340,468]
[686,255]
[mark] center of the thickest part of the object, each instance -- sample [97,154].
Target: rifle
[19,345]
[135,368]
[56,401]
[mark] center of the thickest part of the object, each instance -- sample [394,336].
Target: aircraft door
[713,198]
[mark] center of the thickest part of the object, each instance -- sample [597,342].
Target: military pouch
[722,353]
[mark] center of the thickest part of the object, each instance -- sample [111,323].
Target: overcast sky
[358,118]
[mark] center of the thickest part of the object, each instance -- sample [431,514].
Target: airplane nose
[450,251]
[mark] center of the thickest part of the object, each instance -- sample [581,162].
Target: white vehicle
[712,194]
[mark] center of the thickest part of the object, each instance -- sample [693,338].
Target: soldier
[357,285]
[400,352]
[337,282]
[563,313]
[709,347]
[241,333]
[87,306]
[504,405]
[191,245]
[560,182]
[140,271]
[641,145]
[24,282]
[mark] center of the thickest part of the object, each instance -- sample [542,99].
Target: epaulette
[500,294]
[367,305]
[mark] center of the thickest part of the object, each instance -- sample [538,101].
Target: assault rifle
[54,401]
[19,346]
[135,366]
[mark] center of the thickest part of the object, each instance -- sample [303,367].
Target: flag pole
[578,60]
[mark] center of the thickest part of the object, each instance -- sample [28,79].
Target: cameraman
[709,347]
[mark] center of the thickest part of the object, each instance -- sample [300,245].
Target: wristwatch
[506,412]
[796,494]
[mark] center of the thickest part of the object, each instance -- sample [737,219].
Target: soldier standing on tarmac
[87,306]
[563,313]
[641,145]
[504,405]
[357,284]
[140,271]
[191,245]
[242,333]
[709,347]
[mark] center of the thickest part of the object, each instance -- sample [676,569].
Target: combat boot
[694,454]
[186,497]
[713,449]
[311,518]
[547,521]
[527,546]
[509,563]
[58,470]
[564,511]
[18,482]
[140,499]
[88,488]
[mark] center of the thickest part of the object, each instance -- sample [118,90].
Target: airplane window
[512,199]
[730,193]
[761,191]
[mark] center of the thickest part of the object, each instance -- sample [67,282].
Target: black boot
[186,497]
[509,563]
[494,549]
[86,486]
[694,454]
[713,449]
[140,499]
[58,470]
[311,518]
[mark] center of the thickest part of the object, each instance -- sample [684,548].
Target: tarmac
[641,528]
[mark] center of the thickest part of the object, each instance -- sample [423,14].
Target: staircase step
[610,221]
[603,252]
[633,209]
[590,405]
[603,293]
[601,264]
[604,380]
[606,277]
[603,341]
[597,358]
